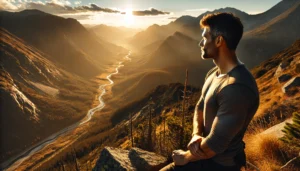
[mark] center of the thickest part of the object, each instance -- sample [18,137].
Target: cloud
[94,7]
[53,7]
[8,5]
[62,7]
[77,2]
[151,11]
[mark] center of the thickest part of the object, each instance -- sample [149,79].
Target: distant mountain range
[172,49]
[190,25]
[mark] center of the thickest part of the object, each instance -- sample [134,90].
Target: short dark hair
[224,24]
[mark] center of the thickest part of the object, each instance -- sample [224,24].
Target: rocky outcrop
[134,159]
[284,78]
[297,69]
[292,86]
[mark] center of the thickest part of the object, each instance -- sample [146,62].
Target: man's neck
[227,63]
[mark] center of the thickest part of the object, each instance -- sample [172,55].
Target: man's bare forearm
[198,122]
[204,153]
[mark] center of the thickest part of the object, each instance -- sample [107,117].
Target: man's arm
[234,102]
[197,126]
[198,118]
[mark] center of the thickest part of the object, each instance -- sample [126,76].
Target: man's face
[207,44]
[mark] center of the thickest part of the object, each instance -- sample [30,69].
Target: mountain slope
[35,96]
[177,49]
[65,41]
[261,43]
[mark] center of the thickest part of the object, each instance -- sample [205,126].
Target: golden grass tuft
[266,152]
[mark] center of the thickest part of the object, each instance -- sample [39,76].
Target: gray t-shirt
[232,101]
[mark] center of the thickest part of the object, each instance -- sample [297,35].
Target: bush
[292,132]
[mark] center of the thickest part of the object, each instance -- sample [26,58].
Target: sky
[133,13]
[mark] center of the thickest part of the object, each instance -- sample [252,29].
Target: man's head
[221,30]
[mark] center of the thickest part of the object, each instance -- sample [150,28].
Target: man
[228,102]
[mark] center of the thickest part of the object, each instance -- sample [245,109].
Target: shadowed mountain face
[175,50]
[65,41]
[36,100]
[264,41]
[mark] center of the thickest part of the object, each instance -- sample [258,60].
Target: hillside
[262,42]
[279,94]
[278,80]
[177,49]
[36,100]
[65,41]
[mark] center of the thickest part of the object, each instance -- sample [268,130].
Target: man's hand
[180,157]
[194,144]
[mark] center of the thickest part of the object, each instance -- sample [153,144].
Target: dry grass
[267,152]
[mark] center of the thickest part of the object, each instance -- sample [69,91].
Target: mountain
[116,35]
[150,35]
[38,97]
[165,65]
[190,25]
[176,49]
[170,57]
[270,38]
[65,41]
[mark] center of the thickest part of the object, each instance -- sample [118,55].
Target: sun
[129,19]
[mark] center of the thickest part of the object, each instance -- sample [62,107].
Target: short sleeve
[234,103]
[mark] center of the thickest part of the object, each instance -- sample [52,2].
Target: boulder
[291,87]
[134,159]
[282,66]
[284,78]
[144,160]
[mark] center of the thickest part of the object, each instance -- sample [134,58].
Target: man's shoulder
[241,76]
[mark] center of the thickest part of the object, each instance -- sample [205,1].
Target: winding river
[14,162]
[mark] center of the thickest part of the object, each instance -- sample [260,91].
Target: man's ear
[219,40]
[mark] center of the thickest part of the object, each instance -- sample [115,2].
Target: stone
[144,160]
[284,78]
[282,66]
[291,87]
[260,73]
[298,68]
[135,159]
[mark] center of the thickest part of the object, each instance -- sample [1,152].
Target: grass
[267,152]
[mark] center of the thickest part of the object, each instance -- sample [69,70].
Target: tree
[183,112]
[131,133]
[149,138]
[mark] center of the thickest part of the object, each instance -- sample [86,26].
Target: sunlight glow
[129,19]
